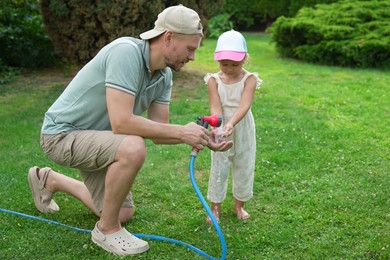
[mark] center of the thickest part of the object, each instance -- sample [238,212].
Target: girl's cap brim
[229,55]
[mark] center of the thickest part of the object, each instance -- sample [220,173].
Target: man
[95,125]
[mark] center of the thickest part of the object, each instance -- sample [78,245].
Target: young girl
[231,93]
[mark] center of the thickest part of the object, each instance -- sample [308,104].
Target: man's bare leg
[57,182]
[120,176]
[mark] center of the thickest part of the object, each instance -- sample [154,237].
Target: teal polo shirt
[124,65]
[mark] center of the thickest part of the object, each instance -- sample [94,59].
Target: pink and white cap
[231,45]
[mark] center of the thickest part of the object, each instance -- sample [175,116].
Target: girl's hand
[219,147]
[228,128]
[217,134]
[216,142]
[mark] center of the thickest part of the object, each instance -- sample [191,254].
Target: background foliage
[78,29]
[257,15]
[95,23]
[346,33]
[23,42]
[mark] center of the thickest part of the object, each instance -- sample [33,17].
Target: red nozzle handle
[214,120]
[205,121]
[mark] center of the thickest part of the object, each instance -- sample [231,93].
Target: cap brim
[150,34]
[229,55]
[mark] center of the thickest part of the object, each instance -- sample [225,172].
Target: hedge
[352,33]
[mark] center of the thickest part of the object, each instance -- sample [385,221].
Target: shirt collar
[146,53]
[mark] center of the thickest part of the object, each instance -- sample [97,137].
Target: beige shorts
[89,151]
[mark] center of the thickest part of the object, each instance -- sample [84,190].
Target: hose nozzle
[205,121]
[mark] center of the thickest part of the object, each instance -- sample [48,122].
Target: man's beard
[174,67]
[174,64]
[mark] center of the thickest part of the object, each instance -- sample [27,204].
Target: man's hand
[195,135]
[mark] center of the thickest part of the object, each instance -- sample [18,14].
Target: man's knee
[132,149]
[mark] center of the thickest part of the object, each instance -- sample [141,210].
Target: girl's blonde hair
[246,59]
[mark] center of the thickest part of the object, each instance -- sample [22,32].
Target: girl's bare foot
[240,211]
[242,214]
[216,210]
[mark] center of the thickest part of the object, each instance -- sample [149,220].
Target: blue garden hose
[207,208]
[153,237]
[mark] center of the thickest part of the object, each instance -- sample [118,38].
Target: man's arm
[160,113]
[123,121]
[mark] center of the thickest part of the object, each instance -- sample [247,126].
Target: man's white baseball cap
[231,45]
[178,19]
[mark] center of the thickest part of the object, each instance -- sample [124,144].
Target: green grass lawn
[322,184]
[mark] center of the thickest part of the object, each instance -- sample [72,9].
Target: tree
[79,29]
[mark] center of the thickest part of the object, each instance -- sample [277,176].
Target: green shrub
[296,5]
[219,24]
[241,13]
[7,73]
[23,42]
[346,33]
[257,15]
